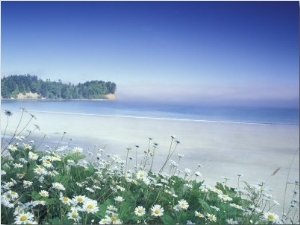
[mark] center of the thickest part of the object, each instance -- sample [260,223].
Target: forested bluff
[30,86]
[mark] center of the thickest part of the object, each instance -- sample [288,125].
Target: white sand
[224,149]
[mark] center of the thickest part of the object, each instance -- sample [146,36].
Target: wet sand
[223,149]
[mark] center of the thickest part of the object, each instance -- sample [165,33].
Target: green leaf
[54,221]
[204,204]
[67,221]
[35,195]
[167,219]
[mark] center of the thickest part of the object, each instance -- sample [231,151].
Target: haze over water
[195,112]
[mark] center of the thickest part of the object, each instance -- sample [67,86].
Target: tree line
[12,85]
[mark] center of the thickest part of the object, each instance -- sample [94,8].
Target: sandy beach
[223,149]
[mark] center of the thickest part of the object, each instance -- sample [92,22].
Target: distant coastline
[35,97]
[20,87]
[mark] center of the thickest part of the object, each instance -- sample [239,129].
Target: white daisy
[14,195]
[79,199]
[183,204]
[65,200]
[6,203]
[12,148]
[146,180]
[9,184]
[26,183]
[24,218]
[141,174]
[55,158]
[70,162]
[177,208]
[115,220]
[47,163]
[90,206]
[105,220]
[236,206]
[74,216]
[32,156]
[58,186]
[140,211]
[224,198]
[211,217]
[6,196]
[20,138]
[38,202]
[203,189]
[20,175]
[40,170]
[77,150]
[119,199]
[218,191]
[18,210]
[157,210]
[111,208]
[17,165]
[272,217]
[44,193]
[89,189]
[199,214]
[27,146]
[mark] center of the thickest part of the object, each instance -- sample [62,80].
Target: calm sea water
[260,115]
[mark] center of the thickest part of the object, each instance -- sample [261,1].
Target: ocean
[169,111]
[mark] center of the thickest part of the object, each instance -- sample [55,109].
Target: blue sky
[209,52]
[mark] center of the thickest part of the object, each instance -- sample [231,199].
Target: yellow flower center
[74,215]
[8,196]
[140,211]
[271,216]
[156,211]
[79,199]
[113,218]
[65,199]
[23,218]
[90,207]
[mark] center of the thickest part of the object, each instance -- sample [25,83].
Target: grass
[58,186]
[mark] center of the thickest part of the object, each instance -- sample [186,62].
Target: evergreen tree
[12,85]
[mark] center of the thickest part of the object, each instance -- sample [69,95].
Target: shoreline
[109,97]
[175,119]
[224,149]
[57,100]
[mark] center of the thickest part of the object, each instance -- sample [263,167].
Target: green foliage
[12,85]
